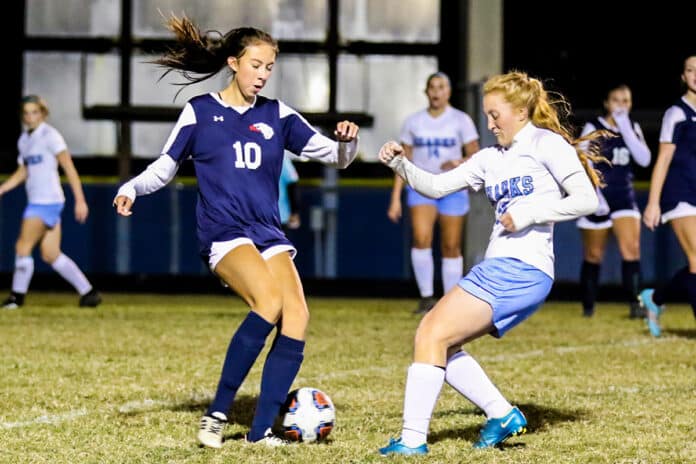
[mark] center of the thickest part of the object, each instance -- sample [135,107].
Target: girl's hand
[651,216]
[389,151]
[81,212]
[123,205]
[346,131]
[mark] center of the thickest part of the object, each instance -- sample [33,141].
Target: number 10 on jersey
[247,156]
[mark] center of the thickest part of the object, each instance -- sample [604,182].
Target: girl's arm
[158,174]
[651,215]
[66,163]
[17,177]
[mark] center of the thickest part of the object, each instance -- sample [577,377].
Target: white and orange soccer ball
[309,415]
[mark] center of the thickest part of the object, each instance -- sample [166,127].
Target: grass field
[128,382]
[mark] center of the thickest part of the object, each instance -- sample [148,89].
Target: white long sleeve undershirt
[158,174]
[639,150]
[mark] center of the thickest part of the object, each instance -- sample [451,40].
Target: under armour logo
[218,118]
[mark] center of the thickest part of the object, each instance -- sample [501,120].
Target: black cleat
[14,301]
[588,312]
[637,311]
[90,299]
[425,305]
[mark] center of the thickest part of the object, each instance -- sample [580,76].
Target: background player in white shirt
[536,175]
[672,196]
[237,139]
[41,149]
[435,139]
[624,146]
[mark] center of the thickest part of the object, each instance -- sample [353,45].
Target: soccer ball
[309,415]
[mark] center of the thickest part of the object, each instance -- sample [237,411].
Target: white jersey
[436,140]
[524,180]
[528,174]
[38,151]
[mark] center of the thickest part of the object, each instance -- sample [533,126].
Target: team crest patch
[264,128]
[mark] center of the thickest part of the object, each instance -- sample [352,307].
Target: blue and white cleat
[497,430]
[397,447]
[652,311]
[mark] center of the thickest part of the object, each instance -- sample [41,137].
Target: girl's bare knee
[49,257]
[267,302]
[295,320]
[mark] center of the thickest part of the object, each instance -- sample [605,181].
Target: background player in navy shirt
[236,139]
[673,195]
[617,212]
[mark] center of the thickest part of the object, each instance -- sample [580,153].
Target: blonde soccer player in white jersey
[536,175]
[41,150]
[436,139]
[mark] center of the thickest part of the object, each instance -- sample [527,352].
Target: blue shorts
[49,214]
[514,290]
[454,204]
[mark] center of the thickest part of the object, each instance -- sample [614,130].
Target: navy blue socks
[674,289]
[281,367]
[589,283]
[630,273]
[244,348]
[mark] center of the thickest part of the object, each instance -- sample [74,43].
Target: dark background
[581,49]
[584,50]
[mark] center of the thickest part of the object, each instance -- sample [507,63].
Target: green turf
[128,382]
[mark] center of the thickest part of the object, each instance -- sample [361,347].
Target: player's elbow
[590,204]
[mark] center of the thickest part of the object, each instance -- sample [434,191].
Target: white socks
[67,268]
[423,385]
[466,376]
[423,269]
[23,271]
[452,269]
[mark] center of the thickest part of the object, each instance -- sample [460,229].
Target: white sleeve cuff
[347,151]
[154,177]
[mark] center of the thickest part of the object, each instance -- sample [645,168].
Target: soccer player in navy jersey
[623,147]
[236,139]
[672,196]
[42,149]
[537,175]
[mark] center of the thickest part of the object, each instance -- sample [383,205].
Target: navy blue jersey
[618,176]
[238,159]
[679,128]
